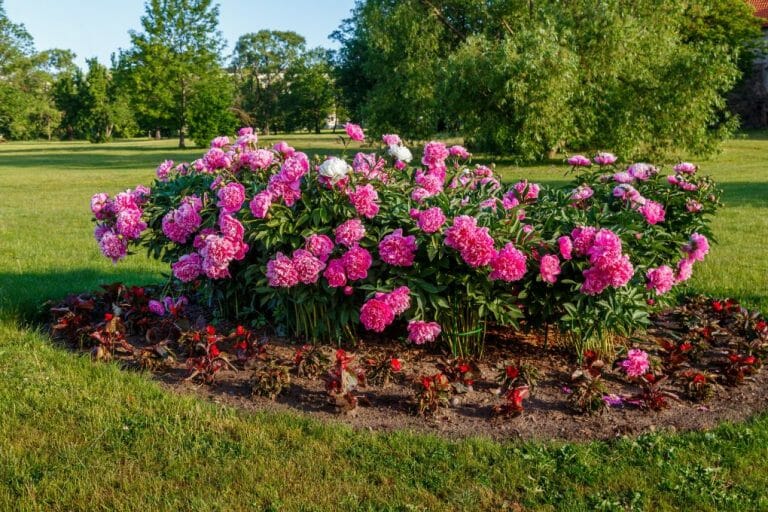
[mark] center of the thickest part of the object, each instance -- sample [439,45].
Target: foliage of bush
[324,247]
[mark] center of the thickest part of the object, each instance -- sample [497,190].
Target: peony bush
[433,250]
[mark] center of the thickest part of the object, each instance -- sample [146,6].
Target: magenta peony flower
[582,193]
[365,200]
[661,279]
[231,197]
[100,205]
[294,168]
[623,177]
[431,219]
[459,235]
[129,224]
[420,332]
[636,364]
[282,272]
[307,266]
[579,161]
[508,264]
[376,315]
[549,268]
[603,158]
[398,250]
[220,142]
[460,152]
[355,132]
[156,307]
[642,171]
[217,253]
[350,232]
[435,154]
[320,246]
[335,274]
[356,262]
[260,204]
[565,245]
[653,212]
[480,251]
[693,206]
[582,239]
[283,148]
[684,270]
[188,268]
[258,160]
[510,200]
[216,159]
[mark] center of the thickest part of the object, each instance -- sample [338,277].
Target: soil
[547,414]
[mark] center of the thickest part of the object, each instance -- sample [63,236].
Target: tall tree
[260,62]
[311,91]
[177,50]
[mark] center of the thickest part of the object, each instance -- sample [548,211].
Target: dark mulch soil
[547,413]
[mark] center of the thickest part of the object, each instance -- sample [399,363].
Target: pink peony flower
[398,250]
[582,193]
[510,200]
[693,206]
[217,253]
[231,197]
[398,299]
[113,246]
[188,268]
[283,148]
[565,245]
[508,264]
[307,266]
[365,200]
[435,154]
[100,205]
[350,232]
[603,158]
[579,161]
[257,160]
[549,268]
[320,246]
[460,152]
[582,239]
[459,235]
[660,279]
[355,132]
[376,315]
[216,159]
[282,272]
[697,248]
[431,220]
[684,270]
[129,224]
[220,142]
[642,171]
[420,332]
[163,170]
[636,364]
[335,274]
[356,262]
[480,251]
[260,204]
[653,212]
[390,139]
[623,177]
[685,168]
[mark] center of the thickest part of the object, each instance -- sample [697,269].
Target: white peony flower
[401,153]
[334,169]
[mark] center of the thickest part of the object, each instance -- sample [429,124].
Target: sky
[97,28]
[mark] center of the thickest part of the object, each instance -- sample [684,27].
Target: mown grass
[81,436]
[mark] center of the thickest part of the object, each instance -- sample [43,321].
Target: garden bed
[710,333]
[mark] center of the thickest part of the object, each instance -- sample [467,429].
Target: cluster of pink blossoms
[219,249]
[370,166]
[695,250]
[119,220]
[380,311]
[474,243]
[182,222]
[661,279]
[608,266]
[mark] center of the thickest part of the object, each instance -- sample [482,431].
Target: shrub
[326,247]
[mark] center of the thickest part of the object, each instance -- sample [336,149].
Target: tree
[210,110]
[176,52]
[259,63]
[310,93]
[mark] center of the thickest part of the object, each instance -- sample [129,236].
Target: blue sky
[96,28]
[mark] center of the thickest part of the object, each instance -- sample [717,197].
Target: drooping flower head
[420,332]
[398,299]
[697,248]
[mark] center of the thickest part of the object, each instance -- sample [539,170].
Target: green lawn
[81,436]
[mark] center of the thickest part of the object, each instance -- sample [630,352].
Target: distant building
[750,99]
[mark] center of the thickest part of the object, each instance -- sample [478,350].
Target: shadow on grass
[745,194]
[24,296]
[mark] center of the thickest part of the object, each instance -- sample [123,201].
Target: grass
[81,436]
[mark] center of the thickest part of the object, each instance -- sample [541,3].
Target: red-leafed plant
[73,318]
[699,386]
[588,388]
[270,378]
[515,375]
[380,372]
[513,404]
[432,393]
[211,360]
[653,394]
[738,367]
[341,382]
[461,372]
[110,338]
[309,361]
